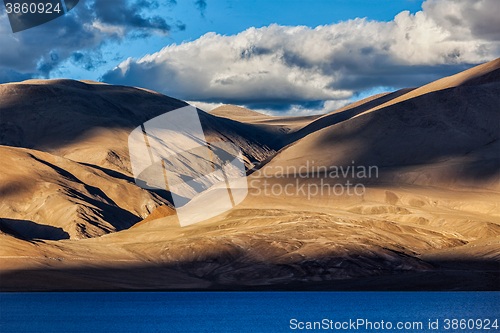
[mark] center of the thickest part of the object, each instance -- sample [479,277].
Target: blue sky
[280,57]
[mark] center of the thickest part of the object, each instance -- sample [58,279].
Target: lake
[249,311]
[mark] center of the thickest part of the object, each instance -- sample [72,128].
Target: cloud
[86,60]
[207,107]
[462,19]
[83,31]
[299,65]
[320,107]
[9,75]
[201,5]
[118,13]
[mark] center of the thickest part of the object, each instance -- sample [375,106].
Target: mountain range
[72,217]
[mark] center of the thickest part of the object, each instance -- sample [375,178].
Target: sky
[280,57]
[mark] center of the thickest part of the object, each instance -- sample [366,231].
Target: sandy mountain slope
[429,129]
[50,197]
[287,130]
[280,129]
[239,113]
[345,113]
[279,243]
[84,187]
[482,74]
[283,124]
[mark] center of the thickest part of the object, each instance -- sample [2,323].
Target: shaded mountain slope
[482,74]
[422,130]
[344,113]
[48,114]
[90,122]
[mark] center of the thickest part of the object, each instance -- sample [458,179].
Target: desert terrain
[428,218]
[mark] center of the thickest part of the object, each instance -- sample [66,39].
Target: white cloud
[283,64]
[207,107]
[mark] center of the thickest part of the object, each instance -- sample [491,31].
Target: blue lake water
[248,311]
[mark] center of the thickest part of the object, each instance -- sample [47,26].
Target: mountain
[43,191]
[82,128]
[90,122]
[281,128]
[451,124]
[428,218]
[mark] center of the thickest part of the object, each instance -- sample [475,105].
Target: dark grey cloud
[9,75]
[77,36]
[480,18]
[121,14]
[396,76]
[284,107]
[201,5]
[86,60]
